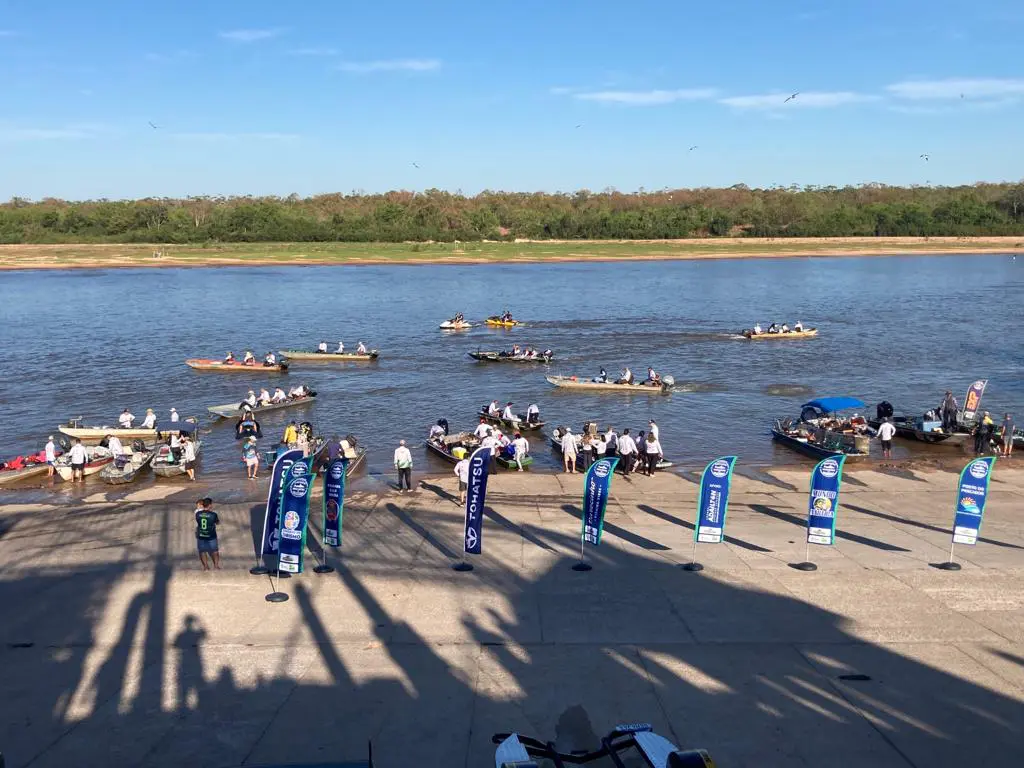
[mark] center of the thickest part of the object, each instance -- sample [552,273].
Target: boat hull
[496,323]
[230,410]
[810,333]
[497,357]
[120,476]
[202,364]
[330,357]
[12,476]
[569,382]
[450,326]
[95,434]
[91,467]
[163,468]
[811,449]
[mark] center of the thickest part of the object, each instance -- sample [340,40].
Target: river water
[92,342]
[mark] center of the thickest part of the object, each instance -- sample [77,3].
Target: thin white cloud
[955,88]
[250,35]
[219,136]
[647,98]
[815,99]
[559,90]
[314,51]
[181,53]
[389,65]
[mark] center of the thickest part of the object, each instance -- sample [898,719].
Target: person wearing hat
[403,463]
[250,399]
[174,415]
[150,421]
[125,419]
[51,455]
[569,451]
[251,457]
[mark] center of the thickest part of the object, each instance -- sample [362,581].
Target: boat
[509,462]
[23,468]
[74,429]
[806,333]
[330,357]
[923,429]
[454,448]
[507,357]
[205,364]
[451,325]
[96,458]
[521,424]
[821,433]
[231,410]
[496,322]
[574,382]
[591,426]
[165,465]
[132,462]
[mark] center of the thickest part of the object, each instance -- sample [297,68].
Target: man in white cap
[403,463]
[174,415]
[51,455]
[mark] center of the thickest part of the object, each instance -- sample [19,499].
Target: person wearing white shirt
[270,359]
[51,455]
[532,414]
[482,429]
[886,432]
[117,451]
[125,419]
[757,328]
[188,454]
[653,428]
[611,440]
[322,347]
[279,396]
[522,450]
[341,348]
[403,463]
[798,326]
[361,349]
[569,451]
[491,441]
[625,377]
[295,391]
[652,453]
[436,432]
[462,472]
[507,414]
[627,450]
[150,421]
[493,410]
[78,457]
[250,399]
[264,396]
[249,358]
[174,415]
[785,328]
[600,448]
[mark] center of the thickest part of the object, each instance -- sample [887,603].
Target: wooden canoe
[497,322]
[573,382]
[330,357]
[807,333]
[230,410]
[205,364]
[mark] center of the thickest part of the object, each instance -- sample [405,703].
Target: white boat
[230,410]
[74,429]
[96,458]
[575,382]
[124,470]
[164,465]
[449,325]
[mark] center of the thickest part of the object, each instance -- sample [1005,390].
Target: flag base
[276,597]
[693,567]
[582,567]
[807,566]
[259,570]
[462,567]
[947,566]
[323,569]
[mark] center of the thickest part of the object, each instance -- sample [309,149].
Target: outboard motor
[667,383]
[884,410]
[443,424]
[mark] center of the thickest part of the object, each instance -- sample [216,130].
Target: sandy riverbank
[107,256]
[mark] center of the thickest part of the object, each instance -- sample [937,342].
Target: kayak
[205,364]
[807,333]
[574,382]
[497,322]
[234,409]
[506,357]
[448,325]
[331,357]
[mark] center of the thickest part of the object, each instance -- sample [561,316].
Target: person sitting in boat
[493,410]
[361,349]
[229,357]
[533,414]
[279,396]
[602,377]
[248,358]
[785,328]
[264,398]
[625,376]
[757,329]
[506,316]
[517,351]
[773,328]
[798,326]
[653,379]
[436,432]
[150,421]
[249,400]
[270,359]
[322,348]
[125,419]
[482,428]
[460,318]
[341,348]
[547,354]
[507,414]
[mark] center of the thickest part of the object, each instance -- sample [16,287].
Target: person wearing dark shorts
[886,432]
[206,535]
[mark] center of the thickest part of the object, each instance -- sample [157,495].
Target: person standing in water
[1006,430]
[569,451]
[886,432]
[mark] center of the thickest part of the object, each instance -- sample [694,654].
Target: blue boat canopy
[831,404]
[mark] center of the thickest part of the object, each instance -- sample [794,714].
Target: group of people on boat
[264,398]
[506,317]
[626,377]
[798,327]
[127,419]
[515,448]
[526,353]
[642,453]
[323,350]
[506,414]
[248,358]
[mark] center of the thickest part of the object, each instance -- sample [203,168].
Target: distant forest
[864,211]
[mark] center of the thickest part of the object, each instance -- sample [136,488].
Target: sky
[257,97]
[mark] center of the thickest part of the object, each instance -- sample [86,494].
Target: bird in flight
[924,157]
[414,165]
[151,125]
[580,125]
[692,148]
[791,97]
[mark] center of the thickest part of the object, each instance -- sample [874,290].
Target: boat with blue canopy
[823,430]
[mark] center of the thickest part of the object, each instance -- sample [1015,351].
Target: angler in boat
[264,398]
[269,359]
[625,376]
[601,378]
[361,349]
[279,396]
[125,419]
[249,358]
[322,347]
[533,414]
[341,348]
[653,379]
[229,358]
[493,410]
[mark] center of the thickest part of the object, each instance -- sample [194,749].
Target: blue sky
[272,98]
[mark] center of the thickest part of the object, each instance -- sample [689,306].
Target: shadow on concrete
[923,526]
[802,523]
[689,526]
[440,492]
[425,534]
[759,678]
[622,533]
[522,530]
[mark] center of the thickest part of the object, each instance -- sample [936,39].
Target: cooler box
[459,452]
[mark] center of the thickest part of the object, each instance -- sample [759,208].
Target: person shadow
[189,678]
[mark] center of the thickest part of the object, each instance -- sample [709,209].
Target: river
[92,342]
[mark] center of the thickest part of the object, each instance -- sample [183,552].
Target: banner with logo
[713,501]
[596,484]
[970,501]
[334,501]
[476,490]
[824,500]
[972,400]
[298,487]
[272,518]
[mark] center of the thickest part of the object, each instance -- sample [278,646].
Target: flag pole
[583,566]
[693,566]
[806,565]
[275,596]
[949,565]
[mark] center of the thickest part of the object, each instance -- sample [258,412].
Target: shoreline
[32,257]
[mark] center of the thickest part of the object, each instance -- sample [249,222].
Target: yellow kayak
[497,322]
[807,333]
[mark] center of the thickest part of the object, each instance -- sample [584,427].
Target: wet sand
[118,650]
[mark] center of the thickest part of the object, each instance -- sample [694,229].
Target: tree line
[872,210]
